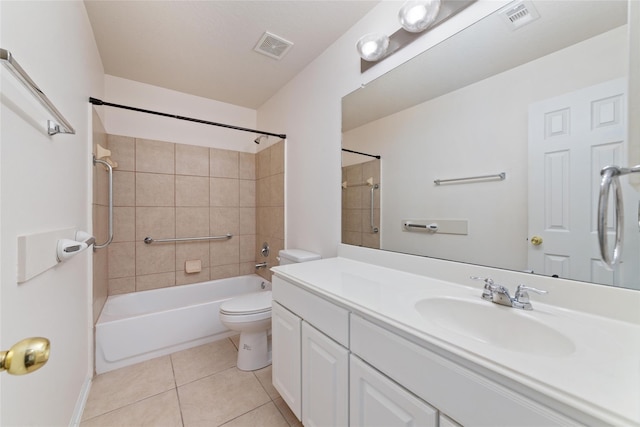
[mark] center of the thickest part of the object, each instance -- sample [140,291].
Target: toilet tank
[292,256]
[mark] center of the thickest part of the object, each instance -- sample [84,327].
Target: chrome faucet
[500,295]
[261,265]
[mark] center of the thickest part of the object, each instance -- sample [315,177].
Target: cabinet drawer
[457,391]
[323,315]
[377,401]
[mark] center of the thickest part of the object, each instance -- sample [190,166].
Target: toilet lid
[256,302]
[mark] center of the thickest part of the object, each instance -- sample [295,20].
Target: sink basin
[495,325]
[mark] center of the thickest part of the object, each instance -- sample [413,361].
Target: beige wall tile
[100,223]
[224,221]
[100,185]
[224,163]
[192,160]
[100,282]
[247,248]
[263,192]
[183,278]
[277,158]
[123,151]
[224,271]
[247,193]
[155,222]
[354,174]
[352,238]
[155,156]
[123,285]
[122,260]
[154,189]
[155,258]
[247,268]
[371,240]
[263,220]
[224,192]
[276,224]
[263,163]
[225,252]
[247,166]
[155,281]
[124,188]
[276,190]
[247,221]
[352,220]
[192,222]
[124,224]
[192,191]
[192,251]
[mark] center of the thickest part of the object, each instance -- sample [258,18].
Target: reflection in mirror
[544,102]
[361,199]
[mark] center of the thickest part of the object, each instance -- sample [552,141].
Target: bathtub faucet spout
[261,265]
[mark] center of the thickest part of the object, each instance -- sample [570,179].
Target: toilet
[250,314]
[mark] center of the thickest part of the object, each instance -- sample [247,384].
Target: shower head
[258,139]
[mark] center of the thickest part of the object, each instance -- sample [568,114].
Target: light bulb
[372,47]
[417,15]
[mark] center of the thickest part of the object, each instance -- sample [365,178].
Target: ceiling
[205,48]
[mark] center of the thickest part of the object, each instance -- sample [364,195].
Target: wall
[142,125]
[46,185]
[308,109]
[100,218]
[426,142]
[165,190]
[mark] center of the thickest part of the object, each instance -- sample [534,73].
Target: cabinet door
[325,380]
[378,401]
[285,340]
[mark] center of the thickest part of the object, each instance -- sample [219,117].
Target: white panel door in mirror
[571,138]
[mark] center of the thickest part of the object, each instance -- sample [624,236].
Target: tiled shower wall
[165,190]
[270,204]
[356,204]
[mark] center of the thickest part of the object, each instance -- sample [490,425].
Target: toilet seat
[249,304]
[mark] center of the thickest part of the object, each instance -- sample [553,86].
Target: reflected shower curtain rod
[95,101]
[362,154]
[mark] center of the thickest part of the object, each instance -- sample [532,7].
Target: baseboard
[81,403]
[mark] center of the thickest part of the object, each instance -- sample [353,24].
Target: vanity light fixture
[415,16]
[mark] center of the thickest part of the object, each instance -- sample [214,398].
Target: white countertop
[601,377]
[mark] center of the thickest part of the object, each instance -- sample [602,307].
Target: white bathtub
[140,326]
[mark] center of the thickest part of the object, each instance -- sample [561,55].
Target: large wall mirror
[491,145]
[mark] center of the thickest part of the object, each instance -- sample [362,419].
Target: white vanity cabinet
[335,367]
[310,355]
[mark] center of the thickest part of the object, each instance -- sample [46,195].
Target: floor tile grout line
[175,383]
[134,402]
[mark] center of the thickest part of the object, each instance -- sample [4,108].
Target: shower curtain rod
[95,101]
[363,154]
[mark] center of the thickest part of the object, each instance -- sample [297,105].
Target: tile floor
[200,386]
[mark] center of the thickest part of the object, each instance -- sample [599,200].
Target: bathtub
[140,326]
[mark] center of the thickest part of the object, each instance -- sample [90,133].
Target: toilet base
[254,351]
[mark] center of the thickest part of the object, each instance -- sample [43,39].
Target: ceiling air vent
[273,46]
[519,15]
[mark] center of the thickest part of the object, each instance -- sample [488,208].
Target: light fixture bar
[402,38]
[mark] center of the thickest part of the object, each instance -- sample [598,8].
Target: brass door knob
[536,240]
[25,356]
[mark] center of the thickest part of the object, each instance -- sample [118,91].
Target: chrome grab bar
[149,240]
[500,176]
[110,170]
[62,125]
[373,224]
[610,176]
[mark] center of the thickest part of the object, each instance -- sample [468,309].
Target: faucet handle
[522,296]
[489,286]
